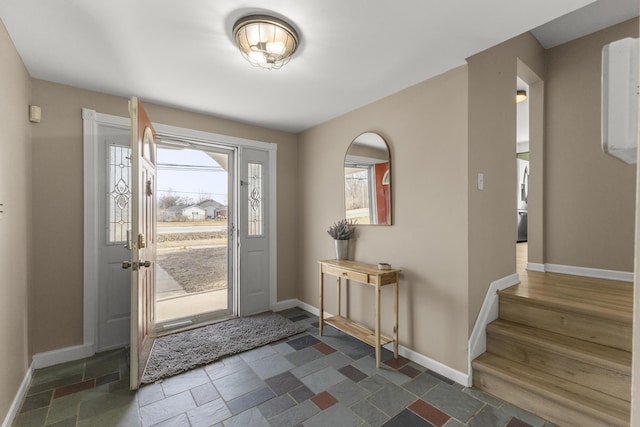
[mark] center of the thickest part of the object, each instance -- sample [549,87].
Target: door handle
[135,265]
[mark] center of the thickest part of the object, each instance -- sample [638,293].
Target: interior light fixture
[521,95]
[265,41]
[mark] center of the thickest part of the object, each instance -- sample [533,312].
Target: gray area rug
[186,350]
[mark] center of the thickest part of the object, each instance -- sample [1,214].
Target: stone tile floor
[306,380]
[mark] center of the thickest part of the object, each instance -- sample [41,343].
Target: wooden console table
[369,275]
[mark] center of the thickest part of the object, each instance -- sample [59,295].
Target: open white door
[143,238]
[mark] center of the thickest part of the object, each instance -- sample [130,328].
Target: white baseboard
[17,401]
[311,309]
[598,273]
[534,266]
[55,357]
[434,365]
[284,305]
[488,313]
[414,356]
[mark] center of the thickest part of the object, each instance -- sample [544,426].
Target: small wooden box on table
[369,275]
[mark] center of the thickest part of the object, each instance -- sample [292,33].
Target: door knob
[144,263]
[126,264]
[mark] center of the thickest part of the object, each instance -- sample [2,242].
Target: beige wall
[56,319]
[589,196]
[492,151]
[15,222]
[426,128]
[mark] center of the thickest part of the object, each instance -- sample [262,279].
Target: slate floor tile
[31,418]
[128,416]
[271,366]
[336,416]
[209,414]
[347,392]
[167,408]
[295,415]
[396,363]
[374,383]
[452,401]
[277,405]
[301,393]
[324,348]
[514,422]
[238,383]
[250,418]
[369,413]
[185,381]
[178,421]
[429,413]
[283,383]
[421,384]
[489,416]
[150,393]
[522,415]
[74,388]
[391,399]
[407,418]
[485,397]
[36,401]
[324,400]
[323,379]
[250,400]
[303,356]
[410,371]
[204,393]
[353,373]
[303,342]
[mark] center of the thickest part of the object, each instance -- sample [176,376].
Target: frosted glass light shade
[265,41]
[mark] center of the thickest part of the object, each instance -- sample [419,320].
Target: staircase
[561,349]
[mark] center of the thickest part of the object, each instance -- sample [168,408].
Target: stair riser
[607,380]
[597,330]
[544,406]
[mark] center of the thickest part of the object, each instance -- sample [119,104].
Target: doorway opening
[529,179]
[194,270]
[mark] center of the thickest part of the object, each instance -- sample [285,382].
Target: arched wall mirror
[367,180]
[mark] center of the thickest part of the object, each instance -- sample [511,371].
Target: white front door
[254,232]
[113,211]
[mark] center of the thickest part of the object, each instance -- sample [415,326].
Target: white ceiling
[180,53]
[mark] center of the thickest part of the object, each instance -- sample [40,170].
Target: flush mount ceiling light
[521,95]
[265,41]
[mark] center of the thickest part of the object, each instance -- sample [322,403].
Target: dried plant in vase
[342,231]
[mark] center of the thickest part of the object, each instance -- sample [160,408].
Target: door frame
[91,120]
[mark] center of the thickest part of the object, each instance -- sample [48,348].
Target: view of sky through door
[192,281]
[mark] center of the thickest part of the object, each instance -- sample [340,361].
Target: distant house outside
[185,213]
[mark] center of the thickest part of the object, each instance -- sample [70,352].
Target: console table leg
[378,350]
[339,286]
[321,315]
[395,324]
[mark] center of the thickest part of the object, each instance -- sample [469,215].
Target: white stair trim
[488,313]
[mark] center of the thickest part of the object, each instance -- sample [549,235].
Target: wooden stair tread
[603,298]
[610,357]
[572,395]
